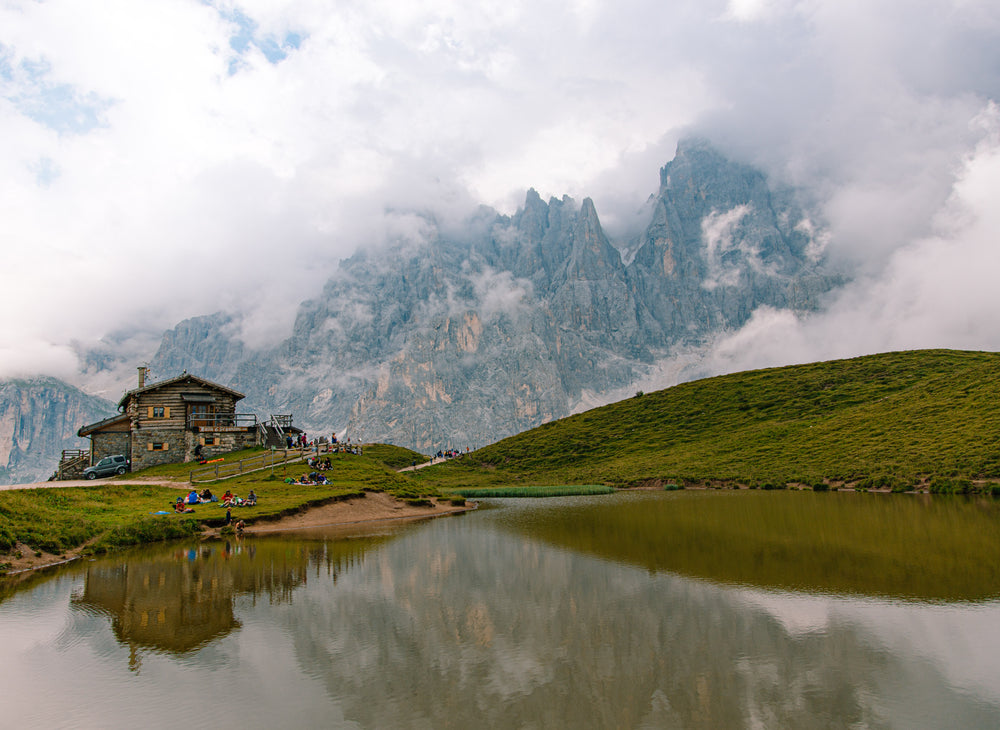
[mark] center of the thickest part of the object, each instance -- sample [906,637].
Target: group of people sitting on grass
[347,449]
[314,462]
[234,500]
[313,477]
[228,500]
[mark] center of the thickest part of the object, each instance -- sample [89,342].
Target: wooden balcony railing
[211,421]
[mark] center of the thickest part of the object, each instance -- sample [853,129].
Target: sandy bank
[374,508]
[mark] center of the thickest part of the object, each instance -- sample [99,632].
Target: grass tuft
[554,491]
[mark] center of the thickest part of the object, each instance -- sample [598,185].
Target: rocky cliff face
[465,337]
[38,419]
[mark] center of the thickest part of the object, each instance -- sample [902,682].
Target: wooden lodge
[175,420]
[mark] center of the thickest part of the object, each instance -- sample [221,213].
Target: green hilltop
[900,420]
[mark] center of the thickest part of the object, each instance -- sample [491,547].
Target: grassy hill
[111,514]
[894,420]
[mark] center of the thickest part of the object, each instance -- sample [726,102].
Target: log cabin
[172,421]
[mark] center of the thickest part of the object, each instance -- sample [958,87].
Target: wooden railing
[210,421]
[223,470]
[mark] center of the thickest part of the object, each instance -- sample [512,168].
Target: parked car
[107,466]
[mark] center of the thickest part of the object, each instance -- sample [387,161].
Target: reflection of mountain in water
[180,601]
[490,629]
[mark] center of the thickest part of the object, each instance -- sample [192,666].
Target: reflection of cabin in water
[176,420]
[174,606]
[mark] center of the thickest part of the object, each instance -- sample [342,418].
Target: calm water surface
[654,610]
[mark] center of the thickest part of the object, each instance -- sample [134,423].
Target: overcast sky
[166,158]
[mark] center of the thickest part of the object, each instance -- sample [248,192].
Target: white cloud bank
[937,291]
[166,158]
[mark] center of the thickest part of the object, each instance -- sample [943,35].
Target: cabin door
[202,414]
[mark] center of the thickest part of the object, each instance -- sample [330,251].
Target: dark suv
[107,466]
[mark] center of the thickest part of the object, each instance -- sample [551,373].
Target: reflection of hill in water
[181,599]
[490,629]
[902,546]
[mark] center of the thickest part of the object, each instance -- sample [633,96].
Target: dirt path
[159,481]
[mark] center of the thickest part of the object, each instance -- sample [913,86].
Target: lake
[635,610]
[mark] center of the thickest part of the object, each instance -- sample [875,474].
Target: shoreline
[374,508]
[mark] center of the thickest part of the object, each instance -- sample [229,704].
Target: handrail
[223,470]
[222,420]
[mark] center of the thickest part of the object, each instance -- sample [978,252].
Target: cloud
[170,158]
[938,291]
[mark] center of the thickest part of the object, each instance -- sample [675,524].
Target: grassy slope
[902,416]
[118,514]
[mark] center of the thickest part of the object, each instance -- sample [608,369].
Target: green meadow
[922,420]
[899,421]
[111,514]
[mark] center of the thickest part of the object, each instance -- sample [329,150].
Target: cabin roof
[87,430]
[182,378]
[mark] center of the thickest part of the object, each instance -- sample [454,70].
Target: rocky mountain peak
[506,324]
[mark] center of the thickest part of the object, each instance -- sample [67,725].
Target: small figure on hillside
[251,499]
[239,527]
[229,515]
[288,441]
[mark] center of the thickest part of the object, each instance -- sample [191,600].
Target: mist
[172,158]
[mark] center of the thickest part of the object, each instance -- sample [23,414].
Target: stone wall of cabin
[224,442]
[108,443]
[143,455]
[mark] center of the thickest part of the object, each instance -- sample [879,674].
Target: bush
[948,485]
[821,487]
[457,501]
[7,539]
[553,491]
[671,487]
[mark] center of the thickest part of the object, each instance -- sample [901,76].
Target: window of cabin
[157,446]
[158,412]
[210,441]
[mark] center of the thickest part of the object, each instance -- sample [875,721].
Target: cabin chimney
[142,376]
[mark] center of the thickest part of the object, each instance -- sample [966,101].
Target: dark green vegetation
[892,421]
[111,515]
[558,491]
[913,546]
[394,457]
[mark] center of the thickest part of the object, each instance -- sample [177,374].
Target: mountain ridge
[461,335]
